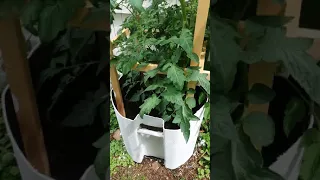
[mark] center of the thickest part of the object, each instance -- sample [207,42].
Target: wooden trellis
[13,48]
[200,27]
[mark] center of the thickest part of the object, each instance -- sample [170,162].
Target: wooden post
[200,28]
[263,72]
[13,47]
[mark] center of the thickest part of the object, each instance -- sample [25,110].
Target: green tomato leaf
[260,94]
[311,136]
[176,75]
[191,102]
[222,124]
[178,117]
[310,167]
[149,104]
[295,112]
[137,4]
[173,95]
[260,128]
[224,63]
[204,82]
[153,87]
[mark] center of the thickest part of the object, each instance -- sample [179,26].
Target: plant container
[9,107]
[148,136]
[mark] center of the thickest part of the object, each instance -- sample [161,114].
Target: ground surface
[152,168]
[123,168]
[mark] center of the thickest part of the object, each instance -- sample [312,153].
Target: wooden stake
[13,48]
[116,86]
[200,28]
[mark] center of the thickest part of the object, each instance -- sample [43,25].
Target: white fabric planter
[169,145]
[26,170]
[288,165]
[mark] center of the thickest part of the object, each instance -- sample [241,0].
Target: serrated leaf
[178,117]
[185,40]
[149,104]
[176,75]
[204,82]
[224,63]
[150,74]
[173,95]
[136,96]
[103,141]
[302,67]
[102,163]
[269,21]
[222,123]
[295,112]
[176,56]
[191,102]
[192,74]
[31,13]
[260,94]
[260,128]
[153,87]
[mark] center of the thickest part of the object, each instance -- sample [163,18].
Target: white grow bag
[26,170]
[169,145]
[288,165]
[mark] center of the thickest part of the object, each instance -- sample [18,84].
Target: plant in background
[239,135]
[162,34]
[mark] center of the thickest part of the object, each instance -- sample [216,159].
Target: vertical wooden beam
[116,85]
[200,28]
[13,48]
[263,72]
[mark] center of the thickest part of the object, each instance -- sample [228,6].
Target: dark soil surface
[147,171]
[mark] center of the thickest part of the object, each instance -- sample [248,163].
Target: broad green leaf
[310,167]
[103,141]
[176,75]
[302,67]
[204,82]
[191,102]
[260,94]
[311,136]
[31,13]
[150,74]
[192,74]
[137,4]
[149,104]
[153,87]
[185,40]
[295,112]
[176,56]
[102,163]
[223,61]
[53,19]
[202,98]
[177,119]
[260,128]
[272,45]
[221,120]
[269,21]
[173,95]
[187,114]
[136,96]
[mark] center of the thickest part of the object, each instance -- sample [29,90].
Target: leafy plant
[162,34]
[46,18]
[240,135]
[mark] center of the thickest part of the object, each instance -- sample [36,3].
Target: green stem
[184,14]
